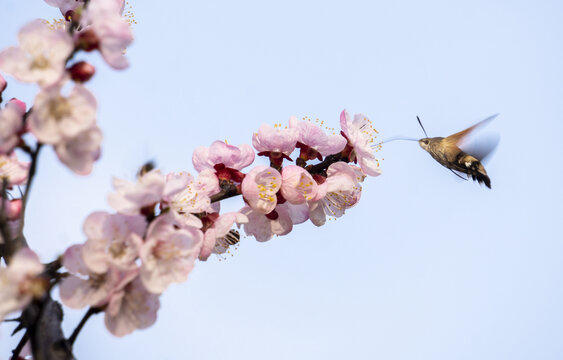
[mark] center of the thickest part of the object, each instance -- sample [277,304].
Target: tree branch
[89,313]
[20,239]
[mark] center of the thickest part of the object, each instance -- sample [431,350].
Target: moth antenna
[420,122]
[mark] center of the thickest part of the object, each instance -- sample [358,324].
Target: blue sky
[426,266]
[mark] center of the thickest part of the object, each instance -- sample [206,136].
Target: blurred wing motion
[482,147]
[468,158]
[457,138]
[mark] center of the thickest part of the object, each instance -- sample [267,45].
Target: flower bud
[87,40]
[20,104]
[13,209]
[81,71]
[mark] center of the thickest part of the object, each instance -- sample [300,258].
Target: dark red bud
[273,215]
[81,71]
[87,40]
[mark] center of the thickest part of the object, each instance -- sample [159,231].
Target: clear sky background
[426,266]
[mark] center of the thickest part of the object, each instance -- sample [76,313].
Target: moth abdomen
[473,167]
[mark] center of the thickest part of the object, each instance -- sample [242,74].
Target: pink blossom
[65,5]
[110,243]
[20,282]
[275,139]
[234,157]
[313,137]
[360,134]
[129,198]
[340,191]
[168,254]
[132,308]
[259,188]
[195,197]
[11,124]
[56,118]
[112,31]
[80,151]
[41,56]
[216,238]
[297,185]
[87,288]
[13,170]
[297,213]
[264,227]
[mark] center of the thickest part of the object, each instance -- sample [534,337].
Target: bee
[446,151]
[231,239]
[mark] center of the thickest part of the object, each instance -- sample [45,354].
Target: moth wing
[456,138]
[482,147]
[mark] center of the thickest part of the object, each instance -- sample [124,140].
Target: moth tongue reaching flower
[41,56]
[360,134]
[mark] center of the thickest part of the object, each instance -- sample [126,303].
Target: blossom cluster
[63,115]
[64,111]
[163,223]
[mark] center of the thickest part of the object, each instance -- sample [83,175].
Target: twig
[6,250]
[320,168]
[227,190]
[89,313]
[21,344]
[30,176]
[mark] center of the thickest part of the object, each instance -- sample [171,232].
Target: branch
[320,168]
[21,344]
[228,190]
[89,313]
[47,338]
[30,176]
[6,249]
